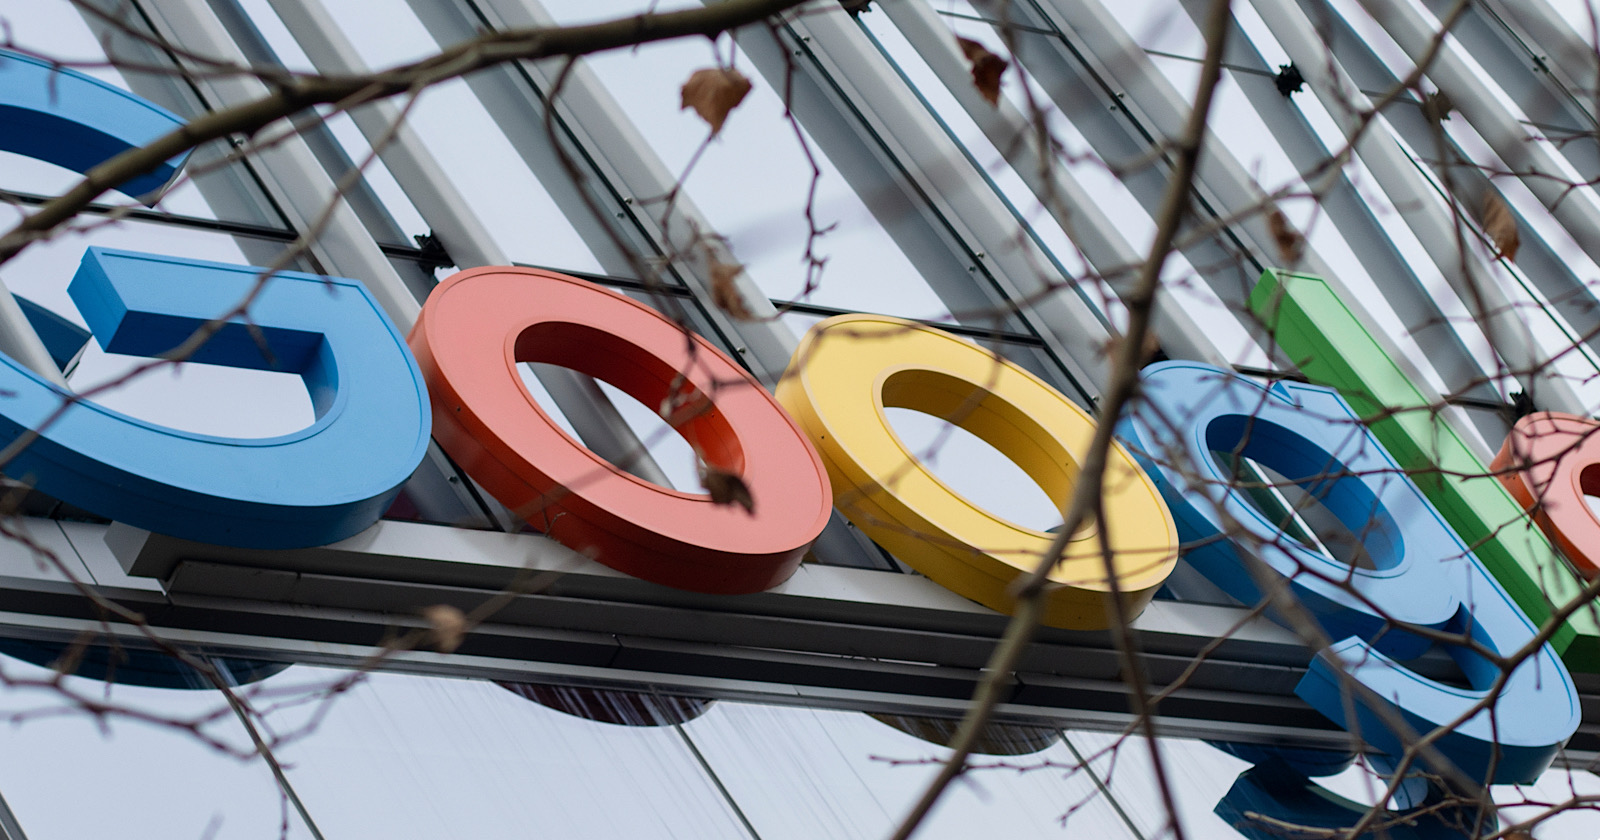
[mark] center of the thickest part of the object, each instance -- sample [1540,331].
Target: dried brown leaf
[724,291]
[987,68]
[725,488]
[447,626]
[714,91]
[1291,245]
[1501,225]
[1437,106]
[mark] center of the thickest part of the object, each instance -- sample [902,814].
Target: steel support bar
[1555,49]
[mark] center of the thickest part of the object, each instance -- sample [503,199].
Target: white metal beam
[1059,192]
[1410,193]
[925,189]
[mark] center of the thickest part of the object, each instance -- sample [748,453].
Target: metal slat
[1397,175]
[343,246]
[234,191]
[618,166]
[927,193]
[1087,55]
[1011,132]
[1526,78]
[1555,48]
[1574,207]
[1098,108]
[620,170]
[1341,203]
[463,234]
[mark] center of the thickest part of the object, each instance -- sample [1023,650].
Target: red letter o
[1549,462]
[479,324]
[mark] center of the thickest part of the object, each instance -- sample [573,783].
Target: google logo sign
[1440,555]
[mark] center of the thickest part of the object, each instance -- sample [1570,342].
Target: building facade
[865,172]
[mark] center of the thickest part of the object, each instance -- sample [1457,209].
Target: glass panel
[1561,806]
[398,756]
[69,774]
[1200,776]
[1231,791]
[383,755]
[808,773]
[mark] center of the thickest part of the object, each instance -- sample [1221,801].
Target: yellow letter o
[849,368]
